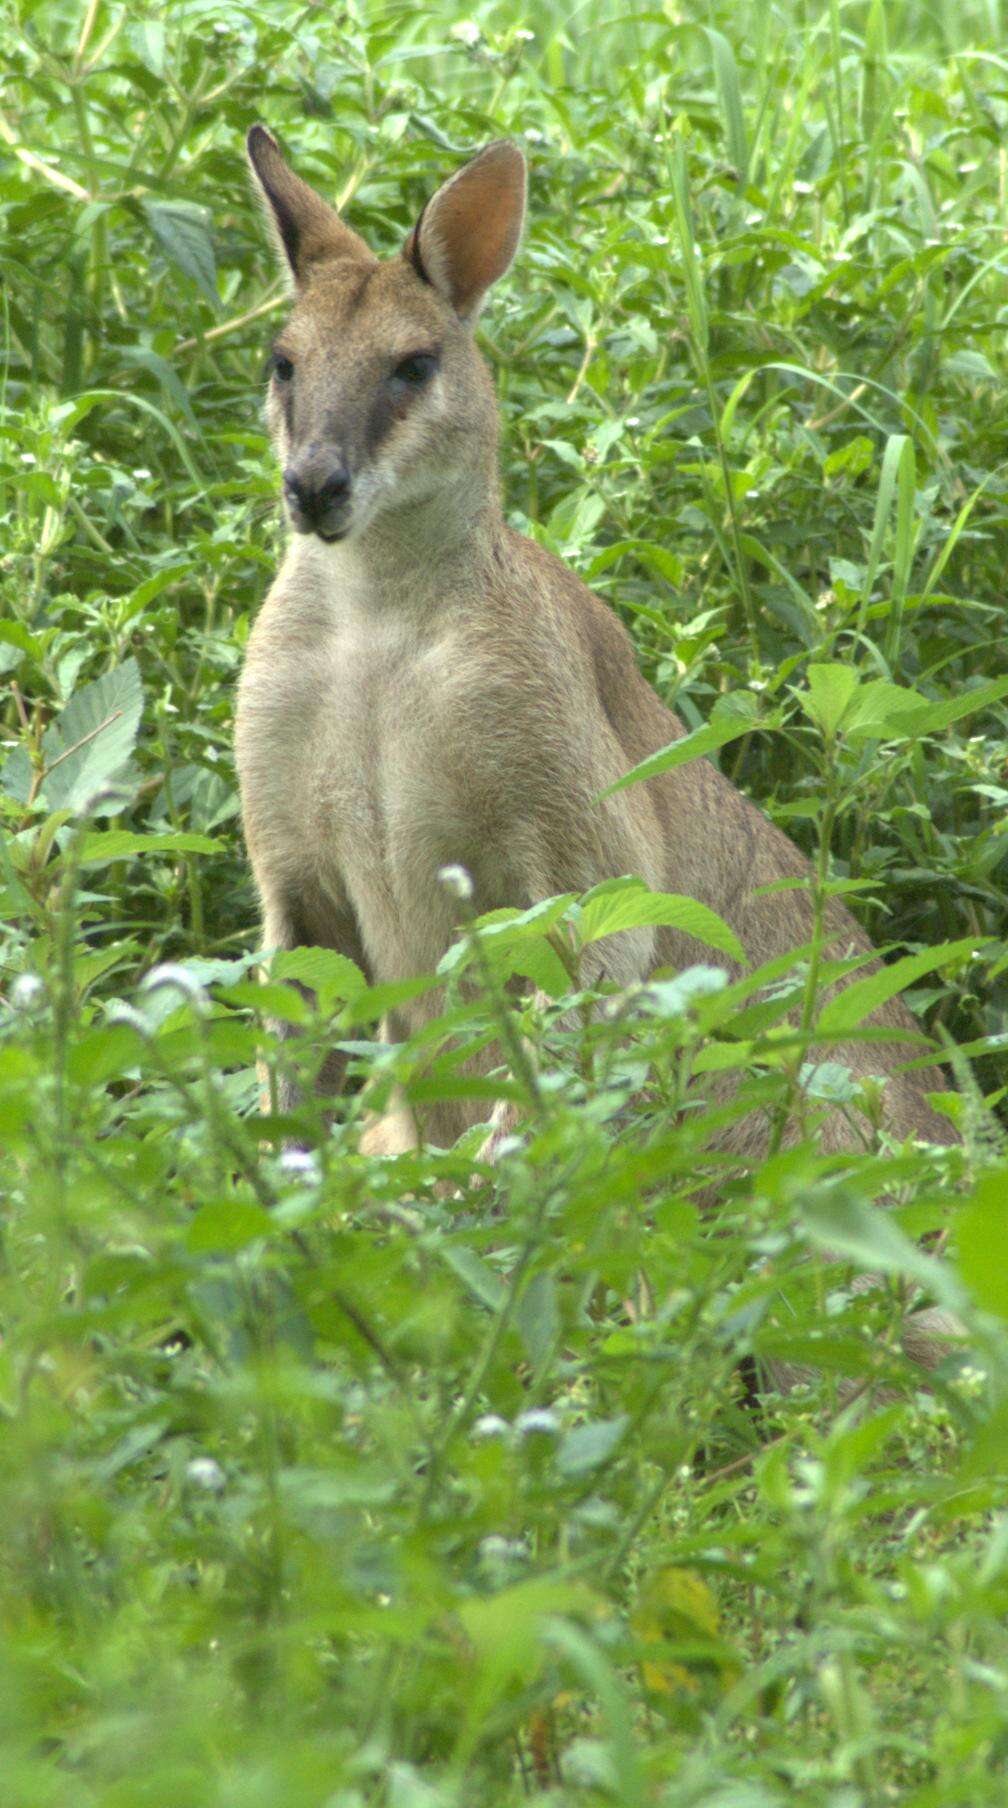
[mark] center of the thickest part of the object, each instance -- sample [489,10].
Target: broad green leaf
[880,710]
[90,742]
[329,975]
[629,904]
[376,1001]
[830,689]
[182,229]
[537,1317]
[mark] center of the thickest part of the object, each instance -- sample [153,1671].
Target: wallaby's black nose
[315,491]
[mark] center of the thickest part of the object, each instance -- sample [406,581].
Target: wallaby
[426,687]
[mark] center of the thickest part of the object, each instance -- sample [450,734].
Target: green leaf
[982,1242]
[475,1274]
[858,1000]
[101,848]
[537,1317]
[871,1239]
[830,689]
[630,904]
[330,976]
[90,742]
[931,718]
[730,94]
[880,711]
[227,1224]
[182,229]
[586,1447]
[692,746]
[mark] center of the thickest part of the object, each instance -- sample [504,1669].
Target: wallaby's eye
[416,370]
[281,367]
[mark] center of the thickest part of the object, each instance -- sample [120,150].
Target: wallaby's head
[378,398]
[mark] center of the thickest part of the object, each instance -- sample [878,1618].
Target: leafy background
[344,1482]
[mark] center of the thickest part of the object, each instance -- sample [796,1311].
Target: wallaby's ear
[469,230]
[307,229]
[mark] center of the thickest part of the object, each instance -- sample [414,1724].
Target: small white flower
[302,1162]
[172,973]
[491,1425]
[533,136]
[633,420]
[27,991]
[466,31]
[205,1473]
[28,458]
[456,880]
[803,188]
[537,1422]
[141,474]
[495,1549]
[527,37]
[121,1012]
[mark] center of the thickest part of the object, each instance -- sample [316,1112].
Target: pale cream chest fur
[359,782]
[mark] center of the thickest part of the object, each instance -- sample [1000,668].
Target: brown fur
[435,689]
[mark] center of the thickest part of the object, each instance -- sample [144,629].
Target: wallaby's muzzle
[317,493]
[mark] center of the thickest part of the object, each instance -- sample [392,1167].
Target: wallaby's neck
[419,554]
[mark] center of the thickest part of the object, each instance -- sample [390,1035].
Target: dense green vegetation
[333,1481]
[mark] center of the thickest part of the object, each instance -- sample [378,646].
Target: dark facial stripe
[385,411]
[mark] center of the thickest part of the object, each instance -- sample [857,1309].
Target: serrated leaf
[328,974]
[881,710]
[830,690]
[377,1001]
[629,904]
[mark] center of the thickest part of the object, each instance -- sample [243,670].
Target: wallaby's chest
[358,784]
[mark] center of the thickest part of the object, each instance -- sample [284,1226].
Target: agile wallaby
[426,687]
